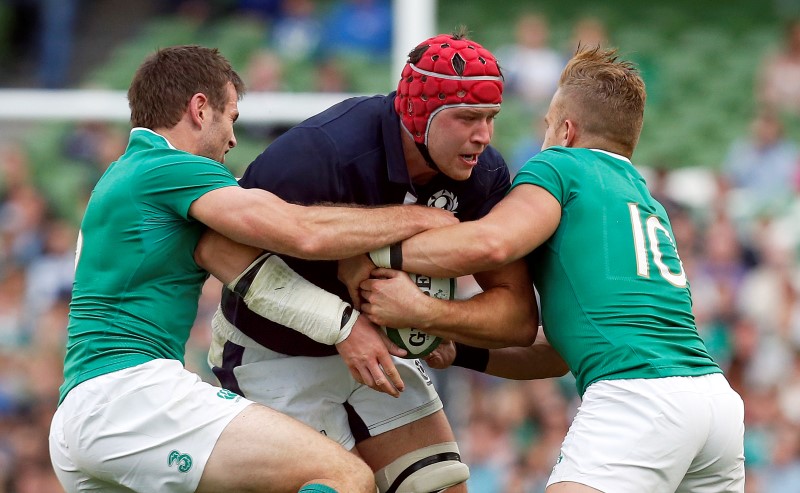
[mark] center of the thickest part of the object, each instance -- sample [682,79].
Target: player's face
[219,137]
[553,122]
[457,136]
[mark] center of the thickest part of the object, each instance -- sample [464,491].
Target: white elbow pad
[273,290]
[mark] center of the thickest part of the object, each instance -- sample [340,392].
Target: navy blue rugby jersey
[351,153]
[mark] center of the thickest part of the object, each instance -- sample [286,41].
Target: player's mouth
[471,159]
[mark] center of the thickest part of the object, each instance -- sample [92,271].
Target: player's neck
[418,169]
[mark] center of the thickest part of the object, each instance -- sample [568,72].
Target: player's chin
[461,170]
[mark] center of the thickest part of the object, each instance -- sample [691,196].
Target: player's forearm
[343,232]
[491,319]
[539,360]
[222,257]
[260,219]
[455,251]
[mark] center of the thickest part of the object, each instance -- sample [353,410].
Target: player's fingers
[393,348]
[355,297]
[356,376]
[434,360]
[381,273]
[392,374]
[381,382]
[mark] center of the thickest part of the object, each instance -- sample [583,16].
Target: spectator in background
[588,31]
[264,72]
[296,31]
[360,27]
[530,65]
[331,76]
[778,84]
[763,165]
[56,36]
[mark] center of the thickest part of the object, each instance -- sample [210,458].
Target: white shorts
[148,428]
[319,391]
[665,435]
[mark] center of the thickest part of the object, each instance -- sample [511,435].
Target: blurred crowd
[736,223]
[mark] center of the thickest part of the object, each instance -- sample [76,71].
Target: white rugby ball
[418,343]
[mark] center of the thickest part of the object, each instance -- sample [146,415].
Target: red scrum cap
[450,71]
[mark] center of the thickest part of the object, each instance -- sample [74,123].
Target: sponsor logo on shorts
[182,461]
[422,372]
[227,394]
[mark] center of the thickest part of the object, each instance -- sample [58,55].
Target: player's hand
[351,272]
[443,356]
[366,351]
[438,218]
[392,299]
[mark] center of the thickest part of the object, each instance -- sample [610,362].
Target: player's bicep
[250,216]
[526,218]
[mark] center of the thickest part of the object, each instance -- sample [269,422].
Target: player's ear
[198,108]
[569,133]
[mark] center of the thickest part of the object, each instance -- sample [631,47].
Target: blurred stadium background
[720,147]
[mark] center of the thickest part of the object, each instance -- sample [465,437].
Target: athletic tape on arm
[275,291]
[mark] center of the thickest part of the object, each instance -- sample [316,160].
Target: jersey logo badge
[444,199]
[183,461]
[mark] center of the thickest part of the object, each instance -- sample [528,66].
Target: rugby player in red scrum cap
[289,333]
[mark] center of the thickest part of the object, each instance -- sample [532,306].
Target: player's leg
[263,450]
[420,456]
[407,441]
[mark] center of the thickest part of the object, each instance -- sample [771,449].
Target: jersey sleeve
[552,169]
[176,184]
[299,166]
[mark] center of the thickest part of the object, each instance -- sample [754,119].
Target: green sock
[316,488]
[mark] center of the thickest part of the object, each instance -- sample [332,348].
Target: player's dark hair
[607,93]
[167,80]
[460,32]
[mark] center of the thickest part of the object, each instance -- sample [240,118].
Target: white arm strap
[280,294]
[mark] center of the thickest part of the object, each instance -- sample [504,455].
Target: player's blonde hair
[605,94]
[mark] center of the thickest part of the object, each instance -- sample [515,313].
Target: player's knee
[426,470]
[356,476]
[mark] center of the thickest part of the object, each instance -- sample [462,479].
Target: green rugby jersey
[614,296]
[137,285]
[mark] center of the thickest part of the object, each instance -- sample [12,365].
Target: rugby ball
[416,342]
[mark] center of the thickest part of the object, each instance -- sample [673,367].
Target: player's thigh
[380,450]
[264,450]
[151,427]
[372,413]
[309,389]
[417,436]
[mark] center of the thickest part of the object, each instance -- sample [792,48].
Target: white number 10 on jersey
[653,226]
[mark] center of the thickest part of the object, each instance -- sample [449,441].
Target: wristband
[388,257]
[473,358]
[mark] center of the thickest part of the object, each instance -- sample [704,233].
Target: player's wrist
[473,358]
[349,316]
[388,257]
